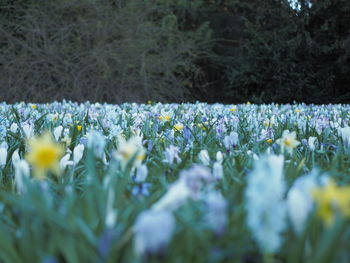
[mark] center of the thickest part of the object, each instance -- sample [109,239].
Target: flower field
[174,183]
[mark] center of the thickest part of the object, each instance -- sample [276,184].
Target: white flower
[266,209]
[21,175]
[3,156]
[14,127]
[153,231]
[219,157]
[141,173]
[311,142]
[28,130]
[64,162]
[231,140]
[218,170]
[345,135]
[57,132]
[203,156]
[15,158]
[288,141]
[171,154]
[96,142]
[78,153]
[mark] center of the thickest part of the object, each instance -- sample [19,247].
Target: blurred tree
[110,51]
[292,54]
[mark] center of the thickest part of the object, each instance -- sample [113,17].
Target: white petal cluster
[266,209]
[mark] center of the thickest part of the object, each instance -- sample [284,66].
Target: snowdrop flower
[64,162]
[219,157]
[153,231]
[15,158]
[141,173]
[288,141]
[28,130]
[203,156]
[3,156]
[311,142]
[22,172]
[14,127]
[78,153]
[345,135]
[266,209]
[96,142]
[218,170]
[171,154]
[217,212]
[231,140]
[57,132]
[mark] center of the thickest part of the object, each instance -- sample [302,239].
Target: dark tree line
[175,50]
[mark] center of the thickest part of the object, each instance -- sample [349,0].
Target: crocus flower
[216,216]
[153,231]
[171,154]
[231,140]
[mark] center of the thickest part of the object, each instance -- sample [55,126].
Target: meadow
[185,182]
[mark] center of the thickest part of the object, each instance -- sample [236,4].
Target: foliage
[95,50]
[175,50]
[299,55]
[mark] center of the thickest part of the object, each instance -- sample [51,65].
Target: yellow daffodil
[79,127]
[34,106]
[233,109]
[201,126]
[164,118]
[288,141]
[269,140]
[331,199]
[178,127]
[267,123]
[132,148]
[44,155]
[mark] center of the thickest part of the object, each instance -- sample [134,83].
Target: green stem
[268,258]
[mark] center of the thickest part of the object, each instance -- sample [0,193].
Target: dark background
[228,51]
